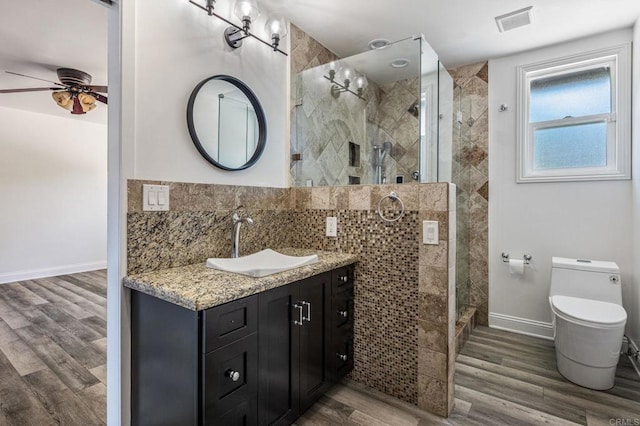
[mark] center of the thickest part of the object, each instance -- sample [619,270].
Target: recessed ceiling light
[400,63]
[379,43]
[515,19]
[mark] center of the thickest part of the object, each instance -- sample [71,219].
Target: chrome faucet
[239,217]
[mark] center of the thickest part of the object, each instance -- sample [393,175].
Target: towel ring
[393,196]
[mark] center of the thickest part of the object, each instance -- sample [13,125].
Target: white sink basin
[262,263]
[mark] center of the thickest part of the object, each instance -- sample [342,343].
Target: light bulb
[361,82]
[333,65]
[277,25]
[346,74]
[244,9]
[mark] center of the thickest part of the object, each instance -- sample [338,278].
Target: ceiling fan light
[77,106]
[63,99]
[87,102]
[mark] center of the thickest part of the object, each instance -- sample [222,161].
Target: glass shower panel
[461,176]
[445,124]
[429,95]
[342,135]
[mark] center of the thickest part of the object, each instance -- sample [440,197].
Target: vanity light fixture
[247,12]
[342,77]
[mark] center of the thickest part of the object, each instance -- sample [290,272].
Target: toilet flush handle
[614,279]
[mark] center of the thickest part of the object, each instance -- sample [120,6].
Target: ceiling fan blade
[36,78]
[101,89]
[99,97]
[35,89]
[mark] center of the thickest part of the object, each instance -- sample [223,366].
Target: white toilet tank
[588,279]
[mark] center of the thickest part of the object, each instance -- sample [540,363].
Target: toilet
[588,319]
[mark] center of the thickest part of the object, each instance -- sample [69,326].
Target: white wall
[157,55]
[634,301]
[177,46]
[53,187]
[589,220]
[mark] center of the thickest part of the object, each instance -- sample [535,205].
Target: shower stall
[365,119]
[387,115]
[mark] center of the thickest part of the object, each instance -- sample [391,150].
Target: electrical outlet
[332,226]
[430,232]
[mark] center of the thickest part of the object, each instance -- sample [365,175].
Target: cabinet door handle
[233,375]
[308,317]
[343,314]
[300,317]
[343,278]
[341,357]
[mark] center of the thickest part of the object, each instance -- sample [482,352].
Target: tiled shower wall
[471,174]
[404,294]
[322,126]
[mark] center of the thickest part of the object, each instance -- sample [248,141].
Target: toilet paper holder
[526,257]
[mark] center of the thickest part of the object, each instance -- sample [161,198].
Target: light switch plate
[430,232]
[332,226]
[155,198]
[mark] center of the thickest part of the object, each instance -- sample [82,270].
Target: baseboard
[11,277]
[521,325]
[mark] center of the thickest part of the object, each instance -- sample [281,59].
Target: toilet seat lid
[593,311]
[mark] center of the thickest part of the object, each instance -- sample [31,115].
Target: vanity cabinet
[293,348]
[262,359]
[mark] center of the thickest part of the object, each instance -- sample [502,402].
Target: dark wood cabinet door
[315,298]
[278,357]
[164,362]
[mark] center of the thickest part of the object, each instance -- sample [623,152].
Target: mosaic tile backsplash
[404,336]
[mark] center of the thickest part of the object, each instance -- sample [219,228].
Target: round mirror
[226,122]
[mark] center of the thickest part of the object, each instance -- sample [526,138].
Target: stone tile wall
[471,175]
[404,314]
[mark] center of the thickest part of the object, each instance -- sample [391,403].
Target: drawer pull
[300,316]
[341,357]
[232,374]
[308,317]
[343,314]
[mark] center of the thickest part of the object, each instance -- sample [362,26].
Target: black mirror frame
[262,122]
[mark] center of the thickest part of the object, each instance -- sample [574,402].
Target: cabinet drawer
[342,307]
[342,356]
[341,277]
[245,414]
[229,322]
[230,377]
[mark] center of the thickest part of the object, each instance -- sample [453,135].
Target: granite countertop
[197,287]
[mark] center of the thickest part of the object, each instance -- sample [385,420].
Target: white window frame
[618,165]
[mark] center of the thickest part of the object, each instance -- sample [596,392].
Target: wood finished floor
[501,379]
[53,351]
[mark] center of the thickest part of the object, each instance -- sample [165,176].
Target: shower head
[387,146]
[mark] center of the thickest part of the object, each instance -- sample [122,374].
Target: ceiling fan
[74,92]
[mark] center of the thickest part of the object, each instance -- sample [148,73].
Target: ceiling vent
[516,19]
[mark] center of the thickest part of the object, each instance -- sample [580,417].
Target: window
[574,121]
